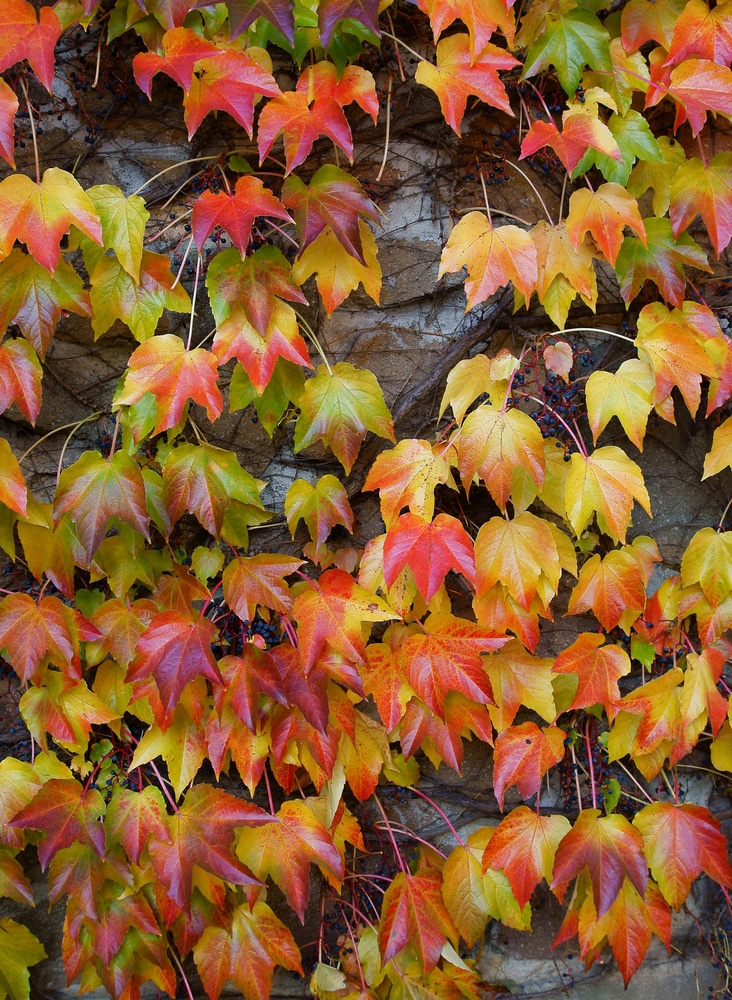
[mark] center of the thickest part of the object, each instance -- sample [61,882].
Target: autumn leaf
[464,893]
[413,913]
[582,129]
[523,846]
[649,20]
[605,482]
[707,561]
[518,678]
[330,12]
[658,174]
[13,490]
[235,212]
[598,668]
[337,273]
[523,755]
[702,32]
[19,949]
[680,842]
[123,222]
[66,813]
[339,406]
[569,41]
[321,506]
[493,257]
[301,123]
[285,850]
[258,581]
[406,476]
[563,271]
[243,13]
[182,49]
[31,630]
[20,377]
[456,76]
[133,817]
[472,377]
[603,213]
[31,36]
[480,17]
[704,188]
[626,394]
[383,678]
[719,455]
[163,366]
[697,86]
[430,548]
[229,82]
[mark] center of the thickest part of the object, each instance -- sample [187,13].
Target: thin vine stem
[397,852]
[582,447]
[312,336]
[193,302]
[24,88]
[174,166]
[533,187]
[57,430]
[404,45]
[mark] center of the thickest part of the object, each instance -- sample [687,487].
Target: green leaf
[123,225]
[636,142]
[284,387]
[661,260]
[570,43]
[19,949]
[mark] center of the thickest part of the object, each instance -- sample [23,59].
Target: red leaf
[20,378]
[430,549]
[414,913]
[523,755]
[702,32]
[354,84]
[230,82]
[302,123]
[259,580]
[246,677]
[182,49]
[25,36]
[8,107]
[235,212]
[133,817]
[66,812]
[524,845]
[598,669]
[30,631]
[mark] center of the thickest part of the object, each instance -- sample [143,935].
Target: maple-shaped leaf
[697,86]
[330,12]
[247,953]
[518,678]
[660,259]
[719,455]
[182,48]
[480,17]
[322,79]
[383,678]
[8,109]
[34,299]
[702,32]
[406,476]
[635,141]
[235,212]
[133,817]
[337,273]
[430,549]
[413,913]
[493,257]
[706,561]
[680,842]
[332,611]
[321,506]
[95,489]
[121,625]
[245,678]
[339,406]
[457,76]
[20,377]
[669,341]
[612,587]
[301,123]
[229,82]
[115,294]
[606,482]
[609,848]
[704,188]
[284,850]
[658,174]
[31,36]
[523,755]
[174,650]
[523,846]
[243,13]
[582,129]
[603,213]
[201,833]
[564,272]
[332,198]
[13,489]
[31,631]
[464,892]
[598,668]
[699,693]
[569,42]
[169,13]
[472,377]
[163,366]
[258,581]
[176,737]
[123,228]
[65,710]
[447,657]
[643,21]
[499,445]
[19,949]
[629,924]
[40,214]
[65,812]
[626,394]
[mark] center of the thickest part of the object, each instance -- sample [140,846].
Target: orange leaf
[598,671]
[27,35]
[235,212]
[406,476]
[524,845]
[13,490]
[611,586]
[649,20]
[517,553]
[523,755]
[20,378]
[414,913]
[604,213]
[258,580]
[605,482]
[564,272]
[430,548]
[705,189]
[518,678]
[229,82]
[301,123]
[182,49]
[719,456]
[702,32]
[321,507]
[66,812]
[480,17]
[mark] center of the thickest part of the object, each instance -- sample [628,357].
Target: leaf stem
[114,435]
[193,302]
[181,973]
[388,129]
[594,329]
[389,830]
[573,434]
[485,198]
[183,260]
[575,769]
[498,211]
[311,334]
[24,88]
[407,832]
[724,514]
[635,781]
[429,801]
[174,222]
[174,166]
[533,187]
[588,748]
[63,427]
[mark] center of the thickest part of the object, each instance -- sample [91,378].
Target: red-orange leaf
[23,35]
[133,817]
[524,845]
[704,188]
[430,549]
[301,123]
[13,490]
[320,506]
[246,677]
[235,212]
[406,476]
[649,20]
[604,213]
[30,631]
[66,812]
[703,32]
[414,913]
[523,755]
[598,669]
[182,48]
[259,581]
[612,586]
[229,82]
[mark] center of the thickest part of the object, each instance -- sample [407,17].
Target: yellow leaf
[337,273]
[605,483]
[625,394]
[720,455]
[472,377]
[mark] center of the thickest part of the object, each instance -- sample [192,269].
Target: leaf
[708,562]
[430,548]
[182,49]
[698,86]
[568,42]
[603,213]
[523,846]
[609,848]
[660,260]
[493,257]
[320,506]
[337,273]
[258,580]
[123,222]
[174,650]
[719,456]
[626,394]
[169,13]
[447,657]
[383,677]
[582,129]
[598,668]
[612,587]
[34,299]
[606,482]
[463,891]
[643,21]
[133,817]
[246,677]
[235,212]
[472,377]
[20,377]
[680,842]
[285,850]
[301,122]
[364,754]
[499,445]
[13,490]
[30,631]
[163,366]
[39,215]
[699,692]
[523,755]
[339,406]
[702,32]
[19,949]
[480,17]
[181,744]
[628,925]
[229,82]
[518,678]
[243,13]
[202,833]
[26,35]
[66,813]
[323,79]
[330,12]
[94,489]
[332,198]
[115,295]
[563,271]
[457,76]
[704,188]
[413,913]
[332,611]
[635,141]
[658,175]
[247,953]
